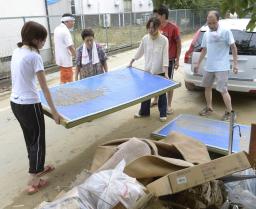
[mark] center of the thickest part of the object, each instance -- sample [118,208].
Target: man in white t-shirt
[64,47]
[217,42]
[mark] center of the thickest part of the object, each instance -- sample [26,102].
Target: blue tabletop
[106,91]
[213,133]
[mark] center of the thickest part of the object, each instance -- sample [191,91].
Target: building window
[127,5]
[73,10]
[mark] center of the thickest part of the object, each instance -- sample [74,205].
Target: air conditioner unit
[117,3]
[89,3]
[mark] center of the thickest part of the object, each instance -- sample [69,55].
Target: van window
[198,42]
[245,42]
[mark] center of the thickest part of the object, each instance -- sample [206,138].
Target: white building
[112,6]
[110,13]
[17,8]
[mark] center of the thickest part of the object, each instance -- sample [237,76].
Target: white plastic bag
[102,190]
[243,192]
[109,187]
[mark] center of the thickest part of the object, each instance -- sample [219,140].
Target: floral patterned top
[90,69]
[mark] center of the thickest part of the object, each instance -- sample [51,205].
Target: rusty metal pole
[252,146]
[231,132]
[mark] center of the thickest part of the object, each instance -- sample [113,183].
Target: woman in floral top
[90,58]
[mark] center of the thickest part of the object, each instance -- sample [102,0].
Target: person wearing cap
[64,47]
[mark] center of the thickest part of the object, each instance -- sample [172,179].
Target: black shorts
[171,68]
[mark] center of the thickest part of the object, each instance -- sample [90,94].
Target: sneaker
[227,116]
[169,111]
[163,119]
[206,111]
[137,115]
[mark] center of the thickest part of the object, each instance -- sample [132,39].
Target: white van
[245,80]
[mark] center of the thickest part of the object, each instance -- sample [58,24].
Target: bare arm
[234,53]
[166,58]
[77,72]
[45,89]
[177,60]
[131,62]
[72,50]
[202,55]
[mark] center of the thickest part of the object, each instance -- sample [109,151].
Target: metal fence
[113,31]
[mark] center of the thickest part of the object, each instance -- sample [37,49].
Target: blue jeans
[162,106]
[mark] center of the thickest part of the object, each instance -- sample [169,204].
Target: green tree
[189,4]
[243,8]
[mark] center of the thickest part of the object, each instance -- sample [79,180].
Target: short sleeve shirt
[217,44]
[25,64]
[171,31]
[62,40]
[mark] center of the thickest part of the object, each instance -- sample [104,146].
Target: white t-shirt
[25,64]
[218,46]
[62,40]
[155,52]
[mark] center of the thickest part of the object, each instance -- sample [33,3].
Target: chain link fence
[114,32]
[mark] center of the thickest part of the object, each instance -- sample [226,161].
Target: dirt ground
[71,150]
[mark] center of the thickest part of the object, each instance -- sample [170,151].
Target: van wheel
[190,86]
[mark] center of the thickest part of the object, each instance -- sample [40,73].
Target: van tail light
[188,57]
[253,91]
[188,54]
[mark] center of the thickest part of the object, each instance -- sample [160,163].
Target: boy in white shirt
[154,46]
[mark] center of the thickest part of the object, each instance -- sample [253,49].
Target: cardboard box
[199,174]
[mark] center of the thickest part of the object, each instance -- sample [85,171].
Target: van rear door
[246,50]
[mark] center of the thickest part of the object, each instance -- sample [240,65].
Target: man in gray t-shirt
[216,43]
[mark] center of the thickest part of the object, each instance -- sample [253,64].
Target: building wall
[15,8]
[13,15]
[142,6]
[98,6]
[111,6]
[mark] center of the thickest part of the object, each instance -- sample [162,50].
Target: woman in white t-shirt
[26,65]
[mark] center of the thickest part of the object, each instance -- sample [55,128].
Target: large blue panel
[213,133]
[116,88]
